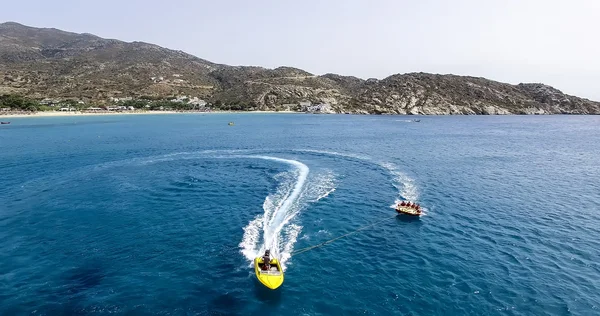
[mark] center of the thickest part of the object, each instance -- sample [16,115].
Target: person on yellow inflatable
[267,260]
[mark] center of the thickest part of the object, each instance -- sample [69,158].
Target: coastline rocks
[49,63]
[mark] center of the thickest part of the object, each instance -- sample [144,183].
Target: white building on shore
[123,99]
[318,108]
[195,101]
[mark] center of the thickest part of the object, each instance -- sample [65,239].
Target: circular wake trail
[279,209]
[406,186]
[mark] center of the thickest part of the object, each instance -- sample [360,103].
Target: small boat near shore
[409,208]
[4,123]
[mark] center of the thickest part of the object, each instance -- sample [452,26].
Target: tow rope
[299,251]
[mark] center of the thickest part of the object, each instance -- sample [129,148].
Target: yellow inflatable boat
[272,277]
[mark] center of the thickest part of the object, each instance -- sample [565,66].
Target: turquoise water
[163,214]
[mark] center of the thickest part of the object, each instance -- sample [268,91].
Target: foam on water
[289,238]
[279,209]
[406,186]
[321,187]
[407,189]
[274,229]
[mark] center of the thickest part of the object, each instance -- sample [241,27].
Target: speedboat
[401,209]
[4,122]
[272,277]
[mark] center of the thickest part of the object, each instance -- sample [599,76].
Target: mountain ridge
[47,62]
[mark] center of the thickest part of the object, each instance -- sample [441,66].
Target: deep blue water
[162,214]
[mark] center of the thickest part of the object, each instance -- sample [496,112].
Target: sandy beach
[76,113]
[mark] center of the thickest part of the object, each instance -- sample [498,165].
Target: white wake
[406,186]
[270,230]
[273,229]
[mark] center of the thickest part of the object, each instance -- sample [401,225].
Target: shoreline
[76,113]
[5,116]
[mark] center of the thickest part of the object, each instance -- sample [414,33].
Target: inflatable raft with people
[409,208]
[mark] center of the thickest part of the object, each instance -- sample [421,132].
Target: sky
[556,42]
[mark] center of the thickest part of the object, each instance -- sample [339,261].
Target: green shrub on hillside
[18,103]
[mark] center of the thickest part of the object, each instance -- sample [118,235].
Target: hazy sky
[556,42]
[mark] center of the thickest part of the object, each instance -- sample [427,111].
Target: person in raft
[266,260]
[403,203]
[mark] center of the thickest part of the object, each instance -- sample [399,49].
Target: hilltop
[50,63]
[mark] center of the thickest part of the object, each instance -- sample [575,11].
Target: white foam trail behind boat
[273,227]
[279,209]
[406,186]
[322,185]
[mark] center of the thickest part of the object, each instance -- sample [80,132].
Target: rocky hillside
[40,63]
[52,63]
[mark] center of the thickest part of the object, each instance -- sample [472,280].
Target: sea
[163,214]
